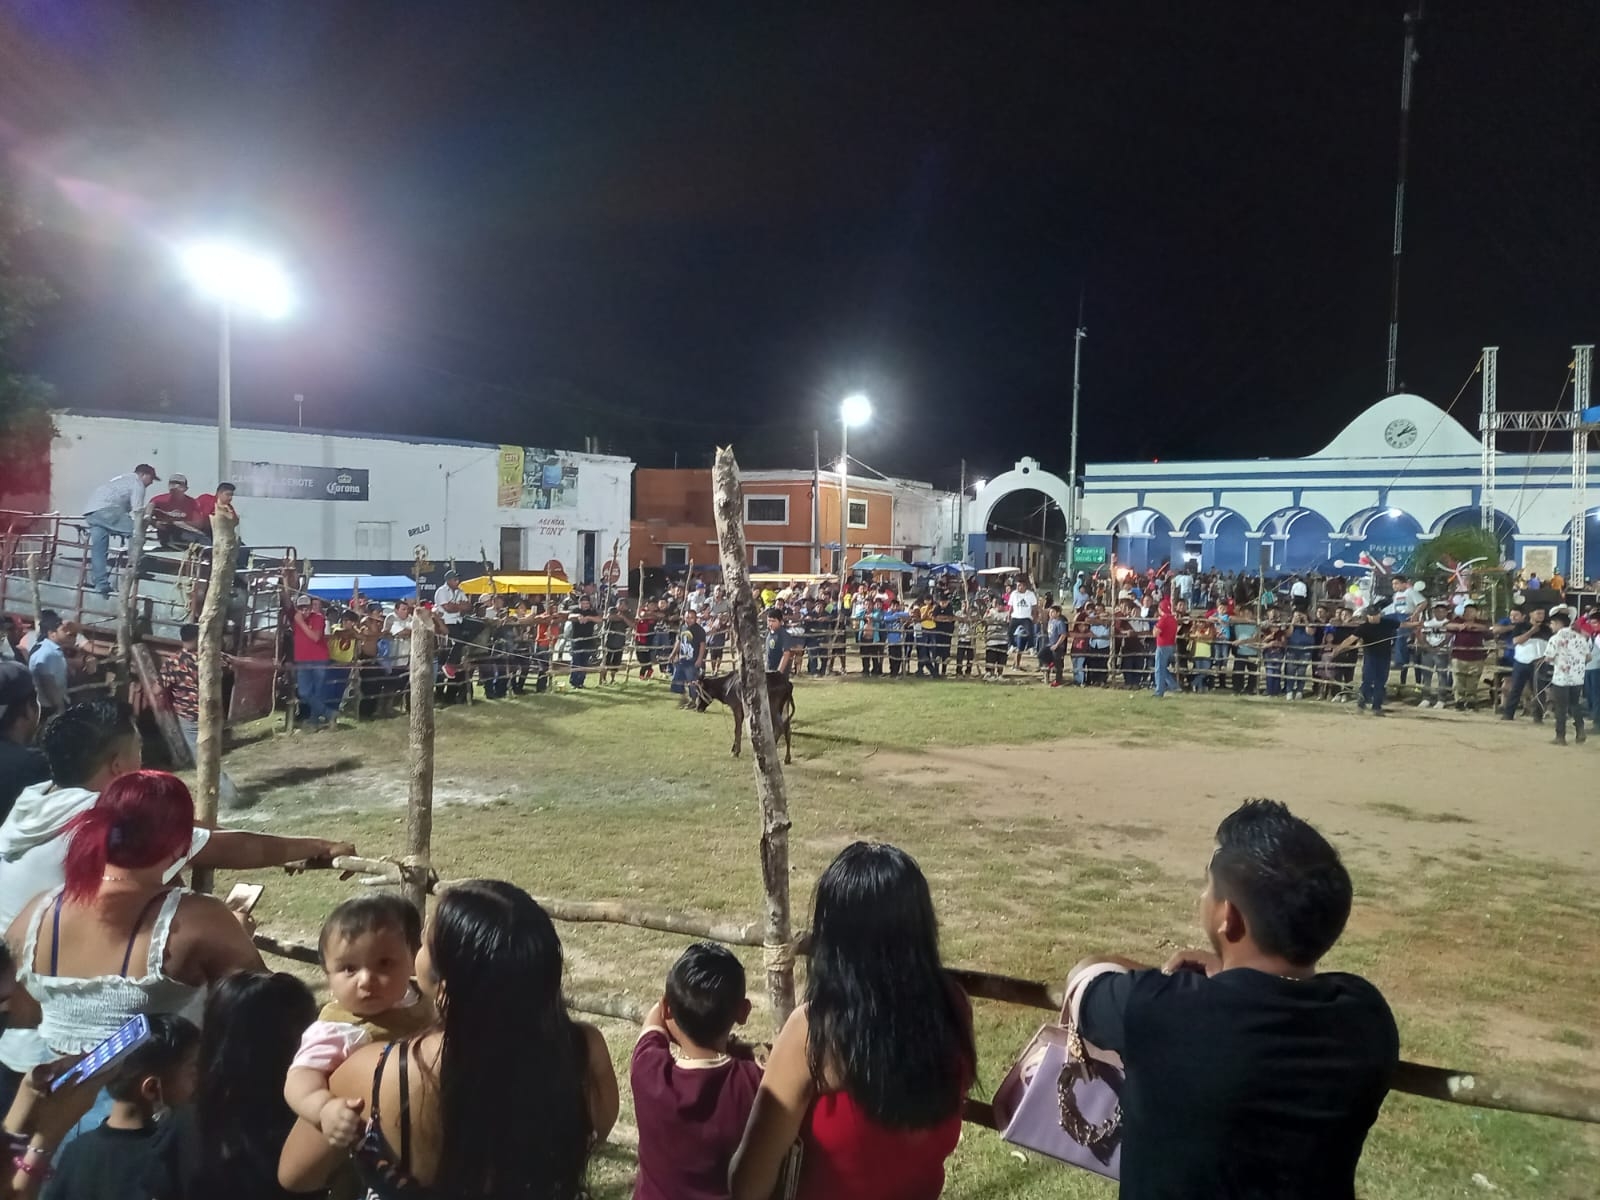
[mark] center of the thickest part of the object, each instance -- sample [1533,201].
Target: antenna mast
[1408,64]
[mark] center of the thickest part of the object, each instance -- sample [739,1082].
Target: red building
[673,522]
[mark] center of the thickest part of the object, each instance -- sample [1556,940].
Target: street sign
[1088,556]
[611,572]
[554,567]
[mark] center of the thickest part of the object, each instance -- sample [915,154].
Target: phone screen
[124,1041]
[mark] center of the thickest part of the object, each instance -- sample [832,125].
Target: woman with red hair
[115,941]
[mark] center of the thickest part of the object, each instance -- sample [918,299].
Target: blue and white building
[1402,471]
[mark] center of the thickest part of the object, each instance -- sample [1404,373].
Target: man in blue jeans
[1529,641]
[110,510]
[1375,635]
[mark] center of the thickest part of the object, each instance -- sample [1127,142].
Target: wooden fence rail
[1470,1088]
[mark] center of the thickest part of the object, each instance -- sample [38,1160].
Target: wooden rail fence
[773,934]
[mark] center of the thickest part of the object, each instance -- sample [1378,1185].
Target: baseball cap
[302,601]
[451,574]
[145,468]
[176,478]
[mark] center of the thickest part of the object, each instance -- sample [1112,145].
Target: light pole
[854,409]
[236,280]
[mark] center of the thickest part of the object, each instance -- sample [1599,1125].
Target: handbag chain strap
[1079,1066]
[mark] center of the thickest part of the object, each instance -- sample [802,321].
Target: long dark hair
[253,1023]
[882,1011]
[514,1113]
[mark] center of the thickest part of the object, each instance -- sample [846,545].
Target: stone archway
[1027,475]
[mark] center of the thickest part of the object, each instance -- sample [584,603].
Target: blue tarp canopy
[373,587]
[943,569]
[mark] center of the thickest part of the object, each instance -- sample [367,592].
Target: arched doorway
[1383,533]
[1219,538]
[1298,538]
[1026,529]
[1505,529]
[1143,538]
[1026,476]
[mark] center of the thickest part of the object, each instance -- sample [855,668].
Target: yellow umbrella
[516,584]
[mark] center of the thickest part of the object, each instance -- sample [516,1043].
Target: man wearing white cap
[173,510]
[110,510]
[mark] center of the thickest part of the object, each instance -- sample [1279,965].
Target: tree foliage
[1490,583]
[26,424]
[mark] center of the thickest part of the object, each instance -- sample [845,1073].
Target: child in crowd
[121,1157]
[691,1096]
[1202,635]
[369,950]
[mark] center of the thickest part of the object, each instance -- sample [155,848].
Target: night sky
[673,225]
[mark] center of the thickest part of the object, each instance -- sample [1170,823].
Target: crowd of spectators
[444,1061]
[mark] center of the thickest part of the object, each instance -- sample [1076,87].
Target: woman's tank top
[847,1155]
[79,1014]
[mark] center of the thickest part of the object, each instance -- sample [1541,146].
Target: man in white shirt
[110,510]
[1022,601]
[1567,652]
[1406,601]
[449,601]
[1299,596]
[88,746]
[452,604]
[1530,641]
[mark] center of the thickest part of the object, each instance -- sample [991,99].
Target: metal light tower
[1078,335]
[1407,65]
[237,280]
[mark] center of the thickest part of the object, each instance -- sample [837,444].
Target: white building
[1402,471]
[362,502]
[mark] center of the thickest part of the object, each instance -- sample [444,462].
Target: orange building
[673,522]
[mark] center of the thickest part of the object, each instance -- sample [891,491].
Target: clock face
[1400,434]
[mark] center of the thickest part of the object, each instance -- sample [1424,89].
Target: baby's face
[370,973]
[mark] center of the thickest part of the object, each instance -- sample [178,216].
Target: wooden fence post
[127,593]
[213,622]
[419,799]
[778,948]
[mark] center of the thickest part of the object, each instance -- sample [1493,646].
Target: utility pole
[1078,335]
[961,515]
[1407,65]
[816,502]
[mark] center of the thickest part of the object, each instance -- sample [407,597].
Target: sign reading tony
[278,481]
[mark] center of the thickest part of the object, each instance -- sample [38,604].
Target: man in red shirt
[1166,647]
[206,506]
[311,660]
[173,511]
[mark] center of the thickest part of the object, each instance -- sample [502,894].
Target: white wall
[446,492]
[924,519]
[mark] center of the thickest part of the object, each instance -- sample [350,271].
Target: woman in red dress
[869,1074]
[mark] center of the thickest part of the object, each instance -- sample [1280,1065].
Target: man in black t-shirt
[585,640]
[1375,634]
[1250,1076]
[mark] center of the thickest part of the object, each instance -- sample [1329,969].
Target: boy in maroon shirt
[691,1096]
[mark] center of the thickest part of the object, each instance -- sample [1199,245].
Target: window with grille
[858,514]
[766,510]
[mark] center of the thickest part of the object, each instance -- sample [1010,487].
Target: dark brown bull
[780,695]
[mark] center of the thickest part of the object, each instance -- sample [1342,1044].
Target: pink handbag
[1063,1098]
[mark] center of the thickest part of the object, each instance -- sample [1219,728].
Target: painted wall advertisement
[533,478]
[279,481]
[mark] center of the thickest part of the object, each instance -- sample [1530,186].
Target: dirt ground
[1373,786]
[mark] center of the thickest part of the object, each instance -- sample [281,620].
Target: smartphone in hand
[244,897]
[135,1033]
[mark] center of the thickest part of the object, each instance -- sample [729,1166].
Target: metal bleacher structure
[44,565]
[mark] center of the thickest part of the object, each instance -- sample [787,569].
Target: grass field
[1051,824]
